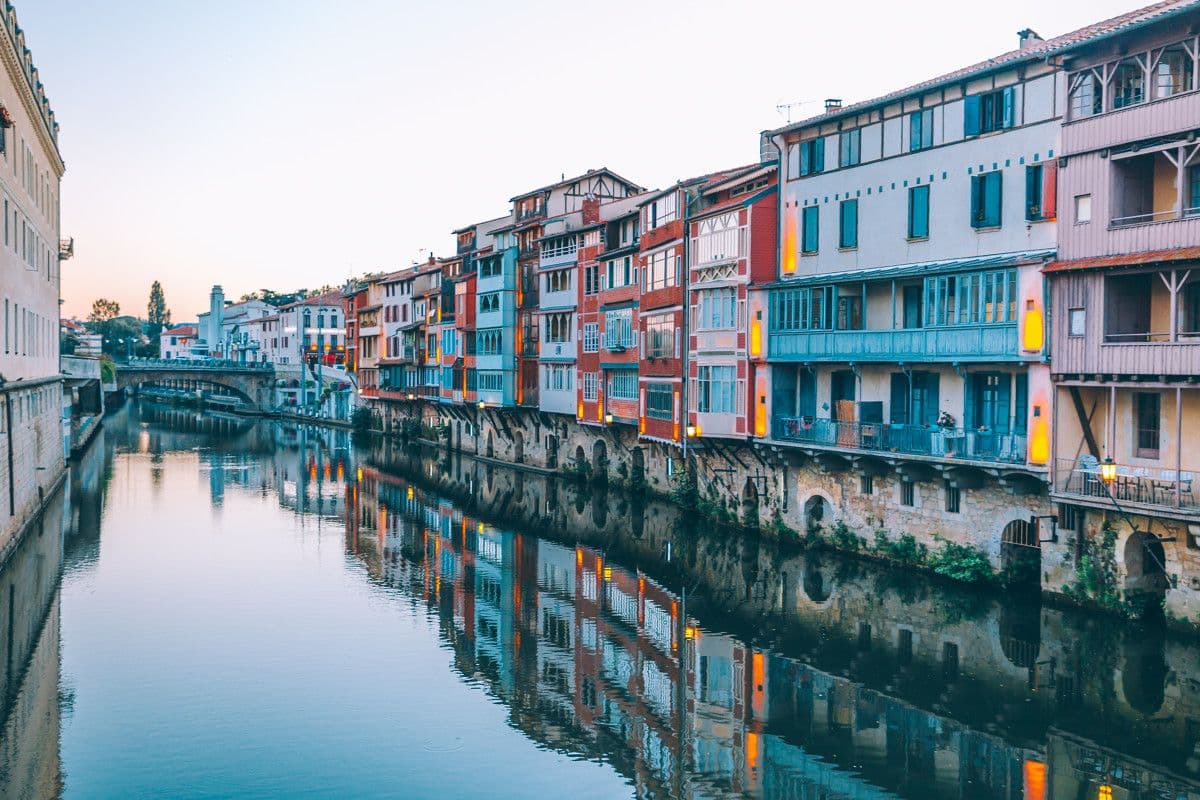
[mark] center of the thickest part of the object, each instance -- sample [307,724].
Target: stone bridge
[252,384]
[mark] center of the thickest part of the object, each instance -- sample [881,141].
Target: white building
[225,329]
[31,391]
[179,342]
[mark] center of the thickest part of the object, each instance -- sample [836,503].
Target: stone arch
[581,461]
[638,457]
[749,501]
[518,447]
[1021,554]
[816,586]
[1144,673]
[1145,569]
[491,445]
[817,512]
[200,384]
[600,459]
[1021,634]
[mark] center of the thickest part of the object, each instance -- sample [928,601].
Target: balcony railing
[881,437]
[951,343]
[1152,216]
[1165,488]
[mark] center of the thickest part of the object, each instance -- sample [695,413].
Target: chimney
[1028,38]
[591,210]
[833,104]
[432,260]
[216,314]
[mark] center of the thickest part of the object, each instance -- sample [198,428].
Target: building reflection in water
[697,662]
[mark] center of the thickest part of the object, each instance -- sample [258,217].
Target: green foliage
[104,310]
[683,488]
[362,419]
[108,369]
[158,316]
[780,529]
[410,428]
[1096,573]
[841,537]
[905,550]
[962,563]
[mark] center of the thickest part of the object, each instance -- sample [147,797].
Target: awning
[618,304]
[618,365]
[919,269]
[1128,260]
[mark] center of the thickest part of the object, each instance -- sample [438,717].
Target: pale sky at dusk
[290,143]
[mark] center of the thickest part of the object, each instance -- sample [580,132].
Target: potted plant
[946,420]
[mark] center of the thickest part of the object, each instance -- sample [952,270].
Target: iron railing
[1166,488]
[970,445]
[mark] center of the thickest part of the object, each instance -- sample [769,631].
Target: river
[218,607]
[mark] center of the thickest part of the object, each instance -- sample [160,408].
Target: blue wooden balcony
[917,440]
[953,343]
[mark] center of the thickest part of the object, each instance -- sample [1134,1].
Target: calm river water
[221,608]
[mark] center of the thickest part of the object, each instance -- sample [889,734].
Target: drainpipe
[686,343]
[8,422]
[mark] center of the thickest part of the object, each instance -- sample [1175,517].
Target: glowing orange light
[691,632]
[789,243]
[752,750]
[1105,793]
[1039,441]
[409,493]
[1035,327]
[1035,780]
[756,338]
[579,557]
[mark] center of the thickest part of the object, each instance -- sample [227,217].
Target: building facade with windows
[31,388]
[905,334]
[177,342]
[608,394]
[732,237]
[1126,293]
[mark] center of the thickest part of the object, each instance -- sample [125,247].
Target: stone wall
[36,442]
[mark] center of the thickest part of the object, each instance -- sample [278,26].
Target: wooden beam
[1084,422]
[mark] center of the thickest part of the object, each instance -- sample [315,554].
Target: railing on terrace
[616,343]
[1154,216]
[883,437]
[1156,487]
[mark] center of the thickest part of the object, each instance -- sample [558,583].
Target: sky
[294,143]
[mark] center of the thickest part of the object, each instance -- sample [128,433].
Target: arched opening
[1021,554]
[639,466]
[815,586]
[816,512]
[581,462]
[1144,673]
[1021,634]
[491,446]
[1145,571]
[600,460]
[551,451]
[750,504]
[519,447]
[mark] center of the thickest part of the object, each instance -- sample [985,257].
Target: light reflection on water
[260,611]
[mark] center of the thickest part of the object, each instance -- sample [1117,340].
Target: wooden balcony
[957,343]
[1164,492]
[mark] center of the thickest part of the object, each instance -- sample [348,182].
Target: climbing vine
[1096,572]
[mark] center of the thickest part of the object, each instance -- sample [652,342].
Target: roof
[566,181]
[743,199]
[71,324]
[1127,260]
[756,171]
[330,298]
[1036,51]
[267,318]
[995,261]
[182,330]
[719,175]
[475,225]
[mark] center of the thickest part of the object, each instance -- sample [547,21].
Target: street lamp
[1108,470]
[608,418]
[690,430]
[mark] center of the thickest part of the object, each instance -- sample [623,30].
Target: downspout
[685,407]
[8,422]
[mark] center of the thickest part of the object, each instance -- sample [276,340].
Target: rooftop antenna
[786,108]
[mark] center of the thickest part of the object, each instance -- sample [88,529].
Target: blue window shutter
[805,165]
[992,195]
[1021,404]
[819,155]
[899,410]
[976,201]
[969,402]
[1010,107]
[932,400]
[1003,397]
[971,116]
[914,131]
[808,393]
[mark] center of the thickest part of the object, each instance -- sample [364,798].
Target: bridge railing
[210,364]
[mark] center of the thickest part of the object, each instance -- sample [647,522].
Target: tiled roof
[182,330]
[1128,260]
[718,176]
[330,298]
[565,181]
[1035,51]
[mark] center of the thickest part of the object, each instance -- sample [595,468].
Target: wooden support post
[1178,444]
[1084,422]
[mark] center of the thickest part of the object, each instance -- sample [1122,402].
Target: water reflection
[691,662]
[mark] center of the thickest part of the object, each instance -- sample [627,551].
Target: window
[1077,322]
[1174,73]
[622,385]
[717,390]
[717,309]
[848,224]
[717,239]
[809,238]
[920,130]
[661,211]
[866,484]
[1087,95]
[662,269]
[660,401]
[849,143]
[1192,204]
[1083,208]
[591,384]
[906,492]
[985,200]
[1128,83]
[984,113]
[591,279]
[489,302]
[953,498]
[1148,408]
[801,309]
[618,329]
[918,212]
[660,337]
[806,158]
[559,377]
[591,337]
[491,268]
[1041,182]
[559,281]
[620,272]
[972,299]
[488,381]
[489,342]
[559,328]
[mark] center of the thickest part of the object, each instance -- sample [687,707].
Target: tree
[104,310]
[122,335]
[157,314]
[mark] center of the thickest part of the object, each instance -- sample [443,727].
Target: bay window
[717,309]
[716,390]
[662,270]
